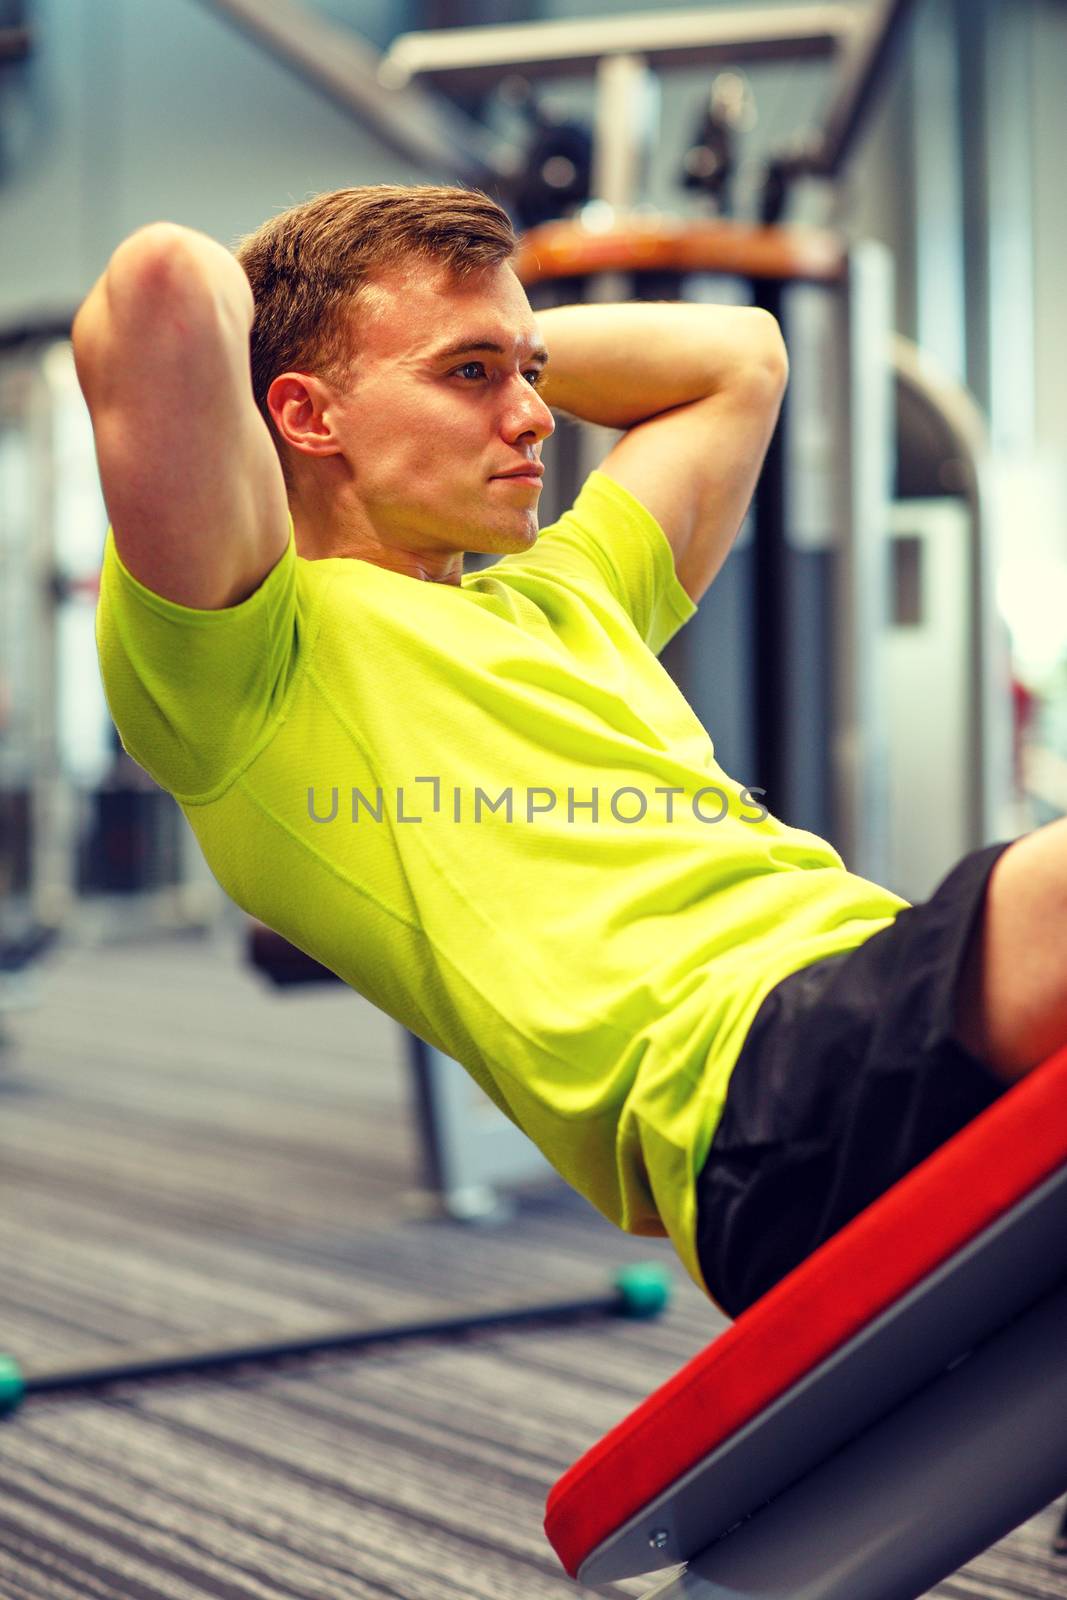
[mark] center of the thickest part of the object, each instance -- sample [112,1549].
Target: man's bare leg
[1012,1004]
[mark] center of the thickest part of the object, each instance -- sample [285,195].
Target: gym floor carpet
[185,1155]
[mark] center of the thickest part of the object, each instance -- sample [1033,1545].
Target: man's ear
[299,405]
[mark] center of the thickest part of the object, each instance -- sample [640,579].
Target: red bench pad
[925,1219]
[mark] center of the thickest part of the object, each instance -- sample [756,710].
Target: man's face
[442,406]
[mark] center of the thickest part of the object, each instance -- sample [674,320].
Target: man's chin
[505,540]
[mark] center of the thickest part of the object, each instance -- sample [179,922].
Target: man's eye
[472,370]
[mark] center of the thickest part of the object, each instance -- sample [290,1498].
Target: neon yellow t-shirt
[491,811]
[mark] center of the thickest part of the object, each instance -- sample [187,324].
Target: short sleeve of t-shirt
[196,694]
[609,540]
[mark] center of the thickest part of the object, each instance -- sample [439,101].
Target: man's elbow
[164,288]
[759,365]
[774,356]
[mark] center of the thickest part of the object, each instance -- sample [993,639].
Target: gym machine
[882,1415]
[29,791]
[79,821]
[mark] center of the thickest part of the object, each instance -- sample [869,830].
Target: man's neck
[337,532]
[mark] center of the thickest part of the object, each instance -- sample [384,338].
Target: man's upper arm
[695,468]
[192,483]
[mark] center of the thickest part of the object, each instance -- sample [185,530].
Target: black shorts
[849,1077]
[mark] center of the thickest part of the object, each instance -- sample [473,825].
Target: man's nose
[528,414]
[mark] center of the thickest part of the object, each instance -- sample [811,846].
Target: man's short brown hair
[308,265]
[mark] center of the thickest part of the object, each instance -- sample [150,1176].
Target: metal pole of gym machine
[860,753]
[860,598]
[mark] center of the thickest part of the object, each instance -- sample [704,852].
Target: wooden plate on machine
[649,243]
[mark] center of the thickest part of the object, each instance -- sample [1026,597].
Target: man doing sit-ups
[478,797]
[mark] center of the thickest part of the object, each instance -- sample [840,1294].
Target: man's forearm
[617,365]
